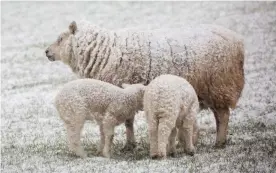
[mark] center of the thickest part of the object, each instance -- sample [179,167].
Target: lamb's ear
[124,85]
[143,88]
[73,27]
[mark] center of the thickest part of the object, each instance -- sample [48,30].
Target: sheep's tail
[240,81]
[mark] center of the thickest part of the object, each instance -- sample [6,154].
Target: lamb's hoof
[162,157]
[220,145]
[159,156]
[154,157]
[129,147]
[190,152]
[106,155]
[179,145]
[172,154]
[82,155]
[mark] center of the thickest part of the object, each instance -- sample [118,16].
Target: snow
[33,137]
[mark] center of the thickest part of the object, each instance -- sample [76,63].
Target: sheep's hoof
[129,147]
[99,153]
[84,156]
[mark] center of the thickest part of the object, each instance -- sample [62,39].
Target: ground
[33,138]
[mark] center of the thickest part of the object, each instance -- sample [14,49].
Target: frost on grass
[33,138]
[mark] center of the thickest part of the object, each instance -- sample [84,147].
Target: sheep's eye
[59,39]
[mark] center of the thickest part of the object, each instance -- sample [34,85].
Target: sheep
[91,99]
[170,103]
[210,57]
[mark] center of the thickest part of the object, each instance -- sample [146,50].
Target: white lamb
[170,103]
[90,99]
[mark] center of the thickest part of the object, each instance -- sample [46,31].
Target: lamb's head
[61,48]
[137,92]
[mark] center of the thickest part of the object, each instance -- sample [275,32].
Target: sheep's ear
[73,27]
[124,85]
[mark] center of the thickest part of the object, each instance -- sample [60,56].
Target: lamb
[210,57]
[170,103]
[90,99]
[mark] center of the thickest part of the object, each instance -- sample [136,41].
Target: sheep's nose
[46,51]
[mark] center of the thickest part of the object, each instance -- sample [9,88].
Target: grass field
[33,138]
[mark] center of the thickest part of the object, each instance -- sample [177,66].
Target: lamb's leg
[130,144]
[153,134]
[222,118]
[195,132]
[187,130]
[181,140]
[171,146]
[109,124]
[101,146]
[165,127]
[73,135]
[180,135]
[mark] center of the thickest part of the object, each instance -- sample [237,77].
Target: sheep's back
[88,94]
[168,93]
[181,51]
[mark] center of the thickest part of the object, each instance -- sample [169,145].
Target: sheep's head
[138,91]
[61,48]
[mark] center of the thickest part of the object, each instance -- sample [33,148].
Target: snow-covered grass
[33,138]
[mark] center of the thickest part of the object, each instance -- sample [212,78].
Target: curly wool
[90,99]
[210,57]
[170,102]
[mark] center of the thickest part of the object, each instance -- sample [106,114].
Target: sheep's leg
[101,146]
[153,134]
[73,135]
[222,118]
[171,146]
[187,130]
[165,127]
[109,124]
[130,144]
